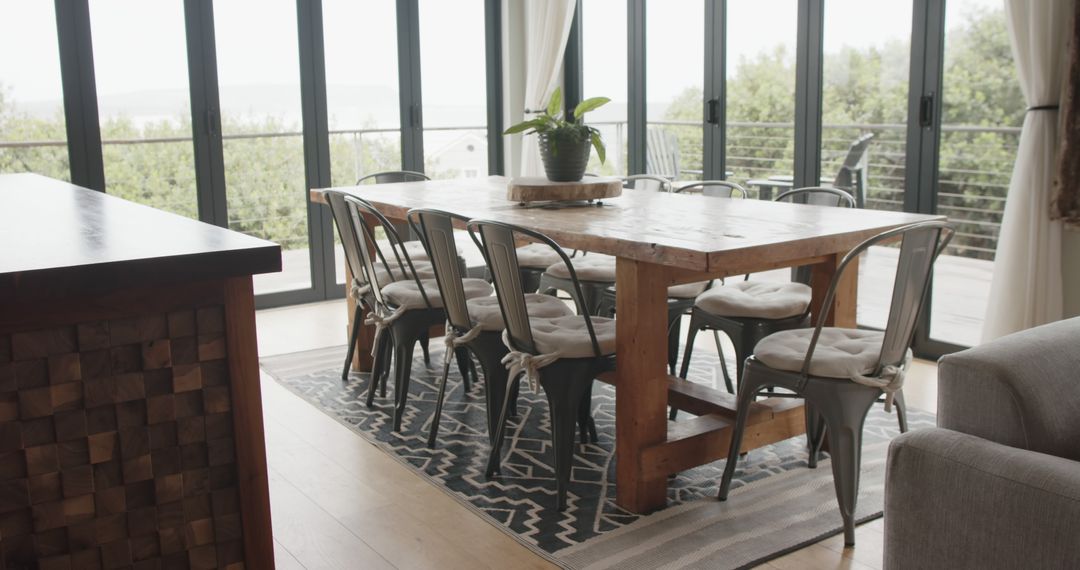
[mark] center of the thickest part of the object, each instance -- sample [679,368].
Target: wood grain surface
[533,189]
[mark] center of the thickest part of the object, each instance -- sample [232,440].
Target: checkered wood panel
[116,445]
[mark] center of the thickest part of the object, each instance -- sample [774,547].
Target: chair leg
[564,400]
[723,361]
[691,334]
[464,367]
[586,423]
[353,334]
[747,391]
[424,339]
[377,368]
[901,410]
[384,373]
[815,434]
[674,328]
[495,459]
[435,417]
[402,373]
[844,415]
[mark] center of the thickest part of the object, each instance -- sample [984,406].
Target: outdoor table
[662,239]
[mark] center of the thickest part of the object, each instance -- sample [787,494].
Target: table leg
[641,386]
[842,313]
[362,360]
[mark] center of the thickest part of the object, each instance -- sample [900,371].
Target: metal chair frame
[391,176]
[567,382]
[402,333]
[839,406]
[630,182]
[436,231]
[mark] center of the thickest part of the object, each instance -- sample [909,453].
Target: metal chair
[714,188]
[474,325]
[840,372]
[562,355]
[749,311]
[402,311]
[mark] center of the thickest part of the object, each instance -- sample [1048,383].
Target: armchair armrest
[953,500]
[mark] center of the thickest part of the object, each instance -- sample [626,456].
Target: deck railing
[974,170]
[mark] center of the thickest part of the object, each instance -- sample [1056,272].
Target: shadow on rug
[777,504]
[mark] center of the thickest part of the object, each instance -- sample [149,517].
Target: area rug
[777,503]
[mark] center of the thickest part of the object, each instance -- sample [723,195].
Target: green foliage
[552,122]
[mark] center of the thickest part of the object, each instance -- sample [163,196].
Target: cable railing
[974,171]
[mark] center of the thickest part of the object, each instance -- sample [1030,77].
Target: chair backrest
[817,196]
[350,242]
[360,212]
[646,182]
[853,173]
[661,153]
[920,245]
[390,176]
[436,231]
[714,188]
[498,241]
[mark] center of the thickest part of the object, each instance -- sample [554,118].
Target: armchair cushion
[1022,390]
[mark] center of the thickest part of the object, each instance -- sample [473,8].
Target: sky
[361,44]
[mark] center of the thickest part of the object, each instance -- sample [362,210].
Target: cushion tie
[360,289]
[381,322]
[529,364]
[453,341]
[890,381]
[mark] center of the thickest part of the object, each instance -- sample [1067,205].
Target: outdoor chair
[472,324]
[562,355]
[852,177]
[402,311]
[663,157]
[748,311]
[840,373]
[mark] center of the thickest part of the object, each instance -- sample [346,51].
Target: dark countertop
[58,238]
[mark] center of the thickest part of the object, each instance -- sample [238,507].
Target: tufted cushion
[407,294]
[414,248]
[384,277]
[569,336]
[592,267]
[756,299]
[687,290]
[840,353]
[485,310]
[537,256]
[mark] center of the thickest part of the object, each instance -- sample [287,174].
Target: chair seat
[537,256]
[485,310]
[840,353]
[406,293]
[592,267]
[687,290]
[570,337]
[384,277]
[756,300]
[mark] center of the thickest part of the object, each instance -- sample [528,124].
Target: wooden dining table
[659,240]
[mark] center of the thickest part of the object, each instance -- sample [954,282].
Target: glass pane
[259,76]
[454,87]
[864,117]
[675,74]
[760,89]
[145,116]
[982,112]
[603,54]
[361,93]
[32,129]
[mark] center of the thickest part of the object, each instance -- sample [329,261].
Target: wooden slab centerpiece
[591,189]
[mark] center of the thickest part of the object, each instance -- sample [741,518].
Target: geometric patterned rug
[521,500]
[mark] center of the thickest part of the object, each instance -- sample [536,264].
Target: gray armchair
[997,484]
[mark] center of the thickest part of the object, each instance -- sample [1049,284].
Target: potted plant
[564,144]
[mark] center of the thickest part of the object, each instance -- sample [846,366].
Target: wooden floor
[338,502]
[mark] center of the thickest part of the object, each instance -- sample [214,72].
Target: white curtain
[547,27]
[1027,286]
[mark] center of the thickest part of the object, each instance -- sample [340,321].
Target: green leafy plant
[553,123]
